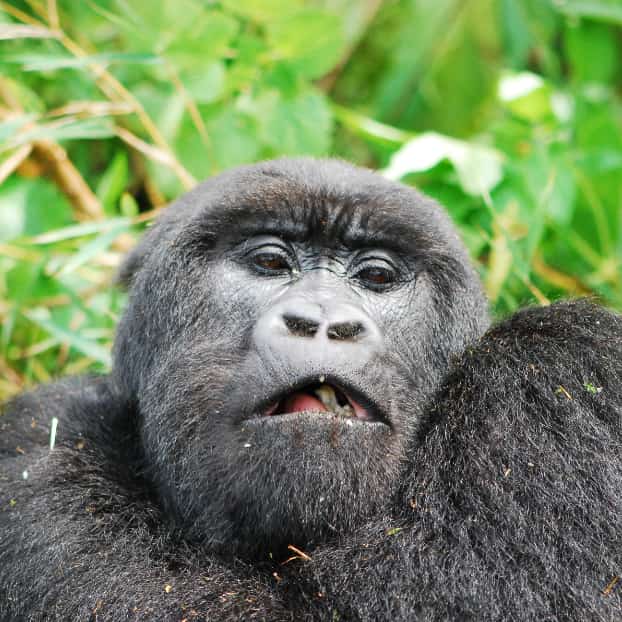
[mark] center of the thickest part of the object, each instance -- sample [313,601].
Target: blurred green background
[509,112]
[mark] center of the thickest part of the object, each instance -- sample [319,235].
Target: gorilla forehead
[327,201]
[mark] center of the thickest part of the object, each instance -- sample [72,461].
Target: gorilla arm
[511,508]
[103,550]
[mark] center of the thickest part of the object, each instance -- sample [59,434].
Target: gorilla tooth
[328,397]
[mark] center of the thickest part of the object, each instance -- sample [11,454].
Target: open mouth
[320,397]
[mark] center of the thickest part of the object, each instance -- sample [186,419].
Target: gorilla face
[287,323]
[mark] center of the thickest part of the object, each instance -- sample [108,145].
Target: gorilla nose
[299,326]
[305,332]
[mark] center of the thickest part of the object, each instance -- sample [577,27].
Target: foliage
[507,111]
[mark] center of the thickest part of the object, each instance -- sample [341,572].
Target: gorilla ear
[139,255]
[130,265]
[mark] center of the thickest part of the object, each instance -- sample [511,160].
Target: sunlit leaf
[370,128]
[479,168]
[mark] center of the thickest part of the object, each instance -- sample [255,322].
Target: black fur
[493,492]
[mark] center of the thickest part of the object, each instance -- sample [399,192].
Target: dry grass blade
[69,180]
[53,14]
[565,282]
[298,555]
[112,88]
[86,109]
[157,155]
[609,588]
[19,31]
[13,161]
[195,114]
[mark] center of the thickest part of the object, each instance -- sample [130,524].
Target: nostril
[343,331]
[300,326]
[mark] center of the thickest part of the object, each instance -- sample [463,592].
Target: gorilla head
[287,323]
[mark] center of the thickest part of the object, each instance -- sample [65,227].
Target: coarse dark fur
[488,486]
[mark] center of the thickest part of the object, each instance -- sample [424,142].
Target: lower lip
[312,415]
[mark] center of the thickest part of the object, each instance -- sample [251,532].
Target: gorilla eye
[376,273]
[376,276]
[271,262]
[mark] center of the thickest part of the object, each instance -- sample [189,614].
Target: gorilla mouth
[320,397]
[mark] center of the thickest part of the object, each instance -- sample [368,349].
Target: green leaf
[205,40]
[29,207]
[157,24]
[592,388]
[526,95]
[394,531]
[263,10]
[479,168]
[301,125]
[129,207]
[560,200]
[113,182]
[235,134]
[205,84]
[12,210]
[42,318]
[13,125]
[311,40]
[28,280]
[515,29]
[606,10]
[589,41]
[24,95]
[284,78]
[370,128]
[85,129]
[51,62]
[81,230]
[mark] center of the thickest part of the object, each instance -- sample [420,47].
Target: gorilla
[310,417]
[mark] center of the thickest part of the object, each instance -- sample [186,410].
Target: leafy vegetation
[509,112]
